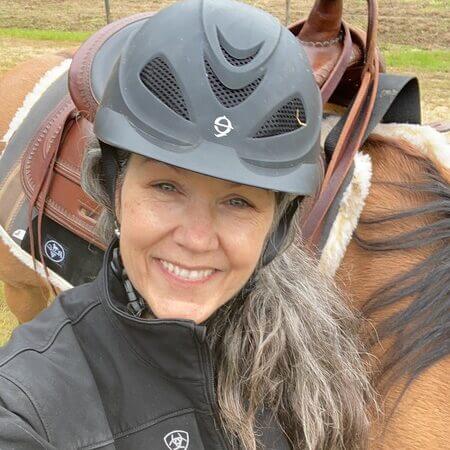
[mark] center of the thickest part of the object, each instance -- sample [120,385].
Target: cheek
[244,244]
[143,221]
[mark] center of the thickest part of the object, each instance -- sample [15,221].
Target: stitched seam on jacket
[99,444]
[141,427]
[52,337]
[32,401]
[41,445]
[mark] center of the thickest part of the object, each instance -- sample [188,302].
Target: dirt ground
[14,50]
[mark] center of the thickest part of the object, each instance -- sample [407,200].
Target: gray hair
[292,347]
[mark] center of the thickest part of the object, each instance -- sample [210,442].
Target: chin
[197,315]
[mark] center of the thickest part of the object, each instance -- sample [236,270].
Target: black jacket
[85,374]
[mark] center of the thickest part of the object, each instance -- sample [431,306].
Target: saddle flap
[63,136]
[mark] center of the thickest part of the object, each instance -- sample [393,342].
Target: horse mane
[418,329]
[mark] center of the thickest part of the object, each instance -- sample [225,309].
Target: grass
[410,58]
[45,35]
[15,50]
[399,56]
[406,22]
[7,321]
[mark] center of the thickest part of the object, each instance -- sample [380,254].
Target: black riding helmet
[220,88]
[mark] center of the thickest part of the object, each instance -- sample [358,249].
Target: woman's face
[189,242]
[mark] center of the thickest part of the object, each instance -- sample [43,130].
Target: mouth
[183,275]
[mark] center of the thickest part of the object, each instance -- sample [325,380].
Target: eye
[166,187]
[239,203]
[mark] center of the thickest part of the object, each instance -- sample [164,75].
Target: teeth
[192,275]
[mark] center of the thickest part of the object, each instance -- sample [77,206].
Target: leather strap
[55,129]
[341,66]
[351,136]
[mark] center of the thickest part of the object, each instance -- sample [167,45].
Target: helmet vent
[160,81]
[290,117]
[229,97]
[237,62]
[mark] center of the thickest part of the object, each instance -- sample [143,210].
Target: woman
[206,327]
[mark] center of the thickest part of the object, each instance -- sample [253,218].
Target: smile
[185,274]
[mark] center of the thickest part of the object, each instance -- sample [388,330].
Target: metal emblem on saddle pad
[177,440]
[54,251]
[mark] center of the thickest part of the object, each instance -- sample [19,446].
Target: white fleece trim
[32,97]
[430,142]
[350,209]
[26,259]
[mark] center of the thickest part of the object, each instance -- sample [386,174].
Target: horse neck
[363,271]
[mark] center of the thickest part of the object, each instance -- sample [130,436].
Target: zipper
[211,391]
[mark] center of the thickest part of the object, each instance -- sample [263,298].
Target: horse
[396,269]
[388,248]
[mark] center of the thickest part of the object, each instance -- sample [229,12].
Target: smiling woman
[189,242]
[206,328]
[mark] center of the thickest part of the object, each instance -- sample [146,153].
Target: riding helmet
[220,88]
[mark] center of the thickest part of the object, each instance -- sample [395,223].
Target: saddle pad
[64,253]
[12,197]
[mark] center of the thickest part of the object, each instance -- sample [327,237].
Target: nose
[197,232]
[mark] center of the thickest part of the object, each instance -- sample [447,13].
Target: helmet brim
[114,129]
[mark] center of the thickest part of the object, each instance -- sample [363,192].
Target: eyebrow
[180,171]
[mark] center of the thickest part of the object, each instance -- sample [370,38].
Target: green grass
[409,58]
[45,35]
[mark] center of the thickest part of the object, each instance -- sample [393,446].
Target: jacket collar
[175,346]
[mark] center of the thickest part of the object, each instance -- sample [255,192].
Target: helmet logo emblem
[223,126]
[177,440]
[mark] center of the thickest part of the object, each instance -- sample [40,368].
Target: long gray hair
[290,346]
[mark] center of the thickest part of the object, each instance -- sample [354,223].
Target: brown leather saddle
[345,64]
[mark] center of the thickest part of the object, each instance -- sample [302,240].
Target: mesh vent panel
[229,97]
[286,119]
[236,61]
[160,81]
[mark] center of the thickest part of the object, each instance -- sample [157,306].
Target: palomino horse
[395,267]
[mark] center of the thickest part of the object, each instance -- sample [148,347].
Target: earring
[116,229]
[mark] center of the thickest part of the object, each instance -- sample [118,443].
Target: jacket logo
[177,440]
[54,251]
[223,126]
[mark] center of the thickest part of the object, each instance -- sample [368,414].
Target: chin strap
[276,240]
[109,169]
[136,304]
